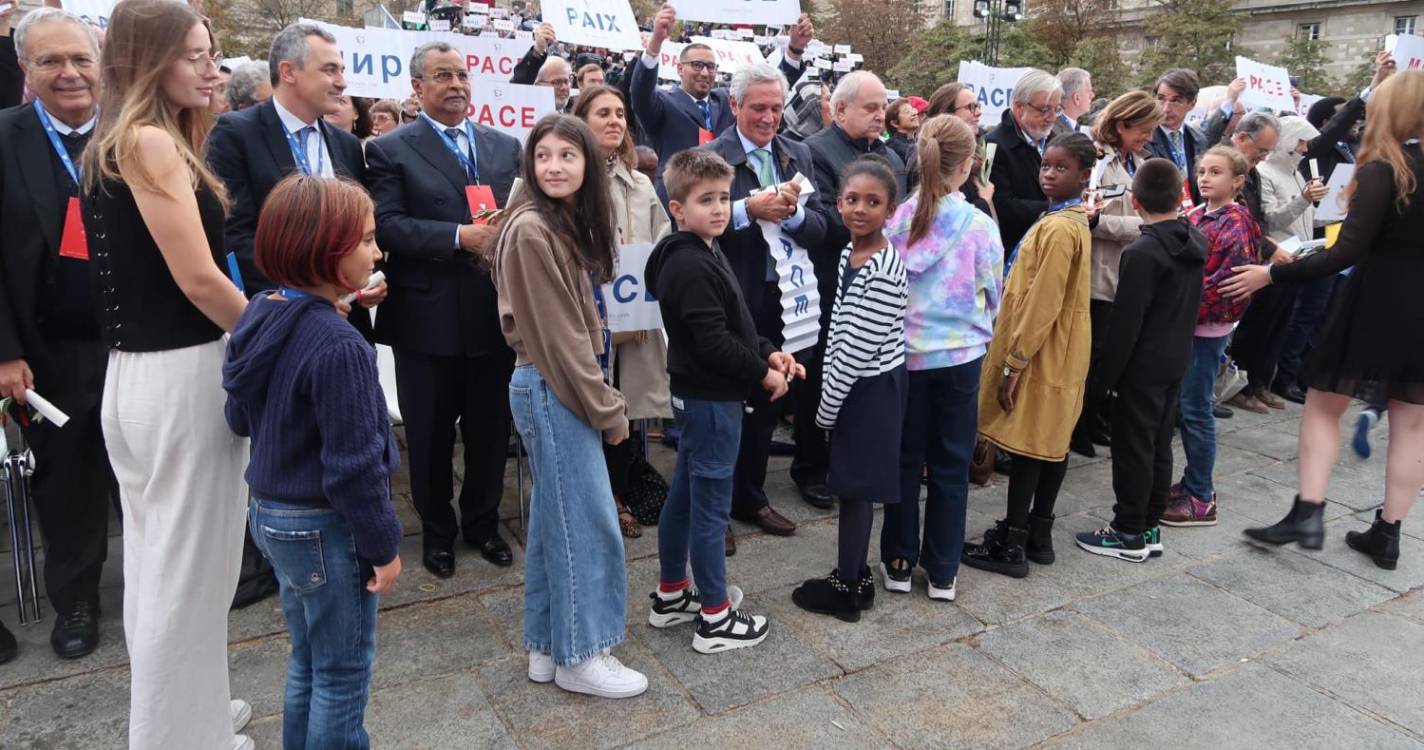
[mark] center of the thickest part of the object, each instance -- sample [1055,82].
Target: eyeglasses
[974,107]
[56,63]
[569,81]
[1046,110]
[701,66]
[444,76]
[202,62]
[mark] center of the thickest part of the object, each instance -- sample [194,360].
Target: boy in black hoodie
[715,360]
[1145,356]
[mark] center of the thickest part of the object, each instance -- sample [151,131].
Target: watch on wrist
[1009,371]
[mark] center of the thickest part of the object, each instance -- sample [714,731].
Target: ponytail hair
[945,142]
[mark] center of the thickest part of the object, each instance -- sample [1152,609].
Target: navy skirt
[865,446]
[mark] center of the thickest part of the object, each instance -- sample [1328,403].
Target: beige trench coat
[642,367]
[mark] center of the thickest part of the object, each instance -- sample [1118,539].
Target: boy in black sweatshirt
[1145,356]
[715,360]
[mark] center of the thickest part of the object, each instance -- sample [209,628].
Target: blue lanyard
[1052,208]
[1179,156]
[299,152]
[1131,164]
[55,142]
[291,293]
[472,169]
[603,359]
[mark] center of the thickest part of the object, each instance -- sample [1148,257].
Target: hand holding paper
[45,408]
[376,279]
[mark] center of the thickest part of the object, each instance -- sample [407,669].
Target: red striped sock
[708,612]
[672,588]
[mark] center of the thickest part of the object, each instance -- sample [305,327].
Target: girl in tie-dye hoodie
[954,260]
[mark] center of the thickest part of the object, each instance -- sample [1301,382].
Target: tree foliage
[877,29]
[1101,56]
[1195,33]
[1062,27]
[1306,59]
[932,59]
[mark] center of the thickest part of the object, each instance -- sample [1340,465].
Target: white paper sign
[1267,86]
[91,10]
[1306,100]
[478,9]
[994,87]
[631,304]
[745,33]
[376,59]
[823,64]
[1408,51]
[596,23]
[440,25]
[842,49]
[502,24]
[413,17]
[855,57]
[474,21]
[1332,208]
[842,66]
[754,12]
[796,278]
[731,56]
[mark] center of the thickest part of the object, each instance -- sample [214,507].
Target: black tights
[1033,483]
[857,516]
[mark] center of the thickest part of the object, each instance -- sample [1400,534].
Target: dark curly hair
[876,166]
[1078,146]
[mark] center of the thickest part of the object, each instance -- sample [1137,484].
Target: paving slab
[1293,586]
[36,660]
[89,711]
[1357,484]
[1271,440]
[1409,605]
[1409,575]
[1254,706]
[1195,626]
[1351,661]
[953,697]
[810,718]
[436,638]
[1265,495]
[1083,665]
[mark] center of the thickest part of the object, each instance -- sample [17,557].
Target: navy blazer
[671,118]
[249,153]
[441,301]
[1193,143]
[746,250]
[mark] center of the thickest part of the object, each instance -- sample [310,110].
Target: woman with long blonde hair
[1372,347]
[154,218]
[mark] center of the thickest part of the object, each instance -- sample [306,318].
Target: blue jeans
[575,580]
[941,424]
[1198,422]
[331,618]
[694,518]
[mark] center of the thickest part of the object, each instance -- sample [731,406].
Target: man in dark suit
[12,79]
[1174,139]
[695,112]
[761,158]
[451,358]
[49,329]
[1021,138]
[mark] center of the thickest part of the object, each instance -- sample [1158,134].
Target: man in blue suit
[441,320]
[695,112]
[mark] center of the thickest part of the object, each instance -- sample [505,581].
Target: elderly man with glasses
[1021,137]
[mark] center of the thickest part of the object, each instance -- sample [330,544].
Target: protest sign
[630,303]
[596,23]
[731,56]
[800,301]
[478,9]
[440,25]
[96,11]
[1267,86]
[1306,100]
[413,17]
[510,108]
[1332,208]
[754,12]
[994,88]
[1408,51]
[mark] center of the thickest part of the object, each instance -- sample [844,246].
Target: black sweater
[714,352]
[1149,334]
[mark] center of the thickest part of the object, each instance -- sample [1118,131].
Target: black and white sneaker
[1110,542]
[666,613]
[730,630]
[897,578]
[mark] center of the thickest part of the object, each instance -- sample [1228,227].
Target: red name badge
[704,136]
[73,243]
[481,198]
[1187,203]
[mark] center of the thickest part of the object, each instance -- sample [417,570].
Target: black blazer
[746,250]
[441,302]
[670,117]
[1193,143]
[250,155]
[1018,199]
[32,210]
[12,79]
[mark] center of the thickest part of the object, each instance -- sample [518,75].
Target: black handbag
[646,493]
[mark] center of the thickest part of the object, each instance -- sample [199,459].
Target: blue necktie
[706,114]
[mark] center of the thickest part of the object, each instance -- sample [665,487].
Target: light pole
[995,14]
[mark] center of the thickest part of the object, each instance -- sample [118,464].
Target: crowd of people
[190,261]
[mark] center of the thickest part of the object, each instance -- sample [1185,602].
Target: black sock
[857,516]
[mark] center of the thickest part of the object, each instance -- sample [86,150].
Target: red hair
[306,226]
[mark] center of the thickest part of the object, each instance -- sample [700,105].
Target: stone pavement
[1216,644]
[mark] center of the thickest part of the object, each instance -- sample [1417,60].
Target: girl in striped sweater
[864,388]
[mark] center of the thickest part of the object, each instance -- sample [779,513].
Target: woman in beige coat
[1123,130]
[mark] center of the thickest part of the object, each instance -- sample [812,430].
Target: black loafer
[76,632]
[497,551]
[8,646]
[818,496]
[1291,393]
[440,562]
[1221,411]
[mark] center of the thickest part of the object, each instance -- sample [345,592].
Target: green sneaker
[1153,538]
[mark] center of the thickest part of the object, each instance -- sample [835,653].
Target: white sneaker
[603,676]
[541,667]
[243,742]
[241,712]
[734,629]
[942,593]
[666,613]
[893,583]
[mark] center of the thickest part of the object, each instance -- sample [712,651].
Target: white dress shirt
[318,157]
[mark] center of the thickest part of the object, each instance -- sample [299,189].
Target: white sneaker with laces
[942,593]
[541,667]
[243,742]
[241,712]
[603,676]
[732,629]
[666,613]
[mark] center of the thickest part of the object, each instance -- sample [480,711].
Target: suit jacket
[1018,200]
[12,79]
[442,301]
[1193,143]
[32,210]
[1061,127]
[832,150]
[672,118]
[746,249]
[1325,148]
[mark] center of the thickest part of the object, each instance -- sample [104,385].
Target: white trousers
[184,499]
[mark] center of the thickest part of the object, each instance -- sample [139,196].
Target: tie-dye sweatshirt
[956,280]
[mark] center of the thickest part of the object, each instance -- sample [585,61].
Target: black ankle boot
[1002,552]
[1039,547]
[867,589]
[1381,542]
[831,595]
[1305,523]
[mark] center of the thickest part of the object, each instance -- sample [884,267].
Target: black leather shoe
[497,551]
[8,647]
[440,562]
[1222,412]
[816,495]
[1291,393]
[1305,523]
[76,632]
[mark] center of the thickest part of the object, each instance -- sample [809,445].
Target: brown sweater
[549,317]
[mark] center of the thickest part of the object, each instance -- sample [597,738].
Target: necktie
[1179,156]
[455,134]
[764,174]
[706,114]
